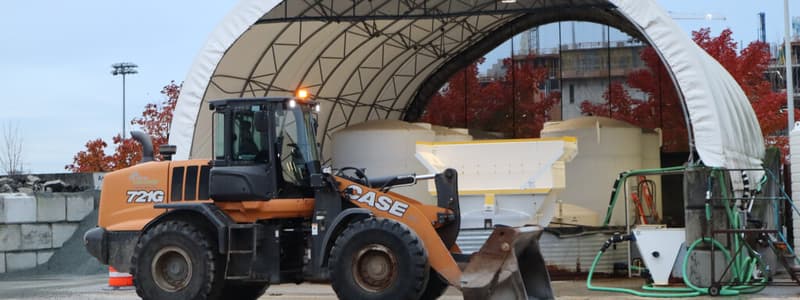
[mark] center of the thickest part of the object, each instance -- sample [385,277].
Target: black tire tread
[418,255]
[211,288]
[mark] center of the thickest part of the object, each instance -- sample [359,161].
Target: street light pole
[787,58]
[123,69]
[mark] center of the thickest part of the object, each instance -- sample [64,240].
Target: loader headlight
[302,93]
[292,103]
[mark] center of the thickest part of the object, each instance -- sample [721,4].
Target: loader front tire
[176,260]
[378,259]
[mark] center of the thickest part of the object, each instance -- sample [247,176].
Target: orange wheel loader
[263,211]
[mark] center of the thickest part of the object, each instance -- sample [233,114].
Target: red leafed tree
[492,106]
[662,108]
[155,121]
[453,106]
[748,70]
[93,159]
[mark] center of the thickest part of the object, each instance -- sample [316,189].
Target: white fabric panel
[194,86]
[725,128]
[336,67]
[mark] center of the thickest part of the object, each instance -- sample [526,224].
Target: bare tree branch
[11,159]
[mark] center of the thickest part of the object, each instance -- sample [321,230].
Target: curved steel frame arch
[288,40]
[603,16]
[395,71]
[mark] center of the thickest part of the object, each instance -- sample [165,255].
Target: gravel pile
[71,259]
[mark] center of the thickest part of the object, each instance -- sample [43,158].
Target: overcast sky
[55,59]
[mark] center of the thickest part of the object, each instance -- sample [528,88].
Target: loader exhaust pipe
[147,145]
[508,266]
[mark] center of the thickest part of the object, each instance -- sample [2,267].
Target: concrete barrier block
[2,262]
[62,232]
[43,256]
[10,237]
[78,206]
[36,236]
[51,207]
[19,208]
[20,261]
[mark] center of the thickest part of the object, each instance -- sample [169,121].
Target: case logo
[137,179]
[382,203]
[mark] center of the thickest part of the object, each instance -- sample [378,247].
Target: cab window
[219,136]
[248,143]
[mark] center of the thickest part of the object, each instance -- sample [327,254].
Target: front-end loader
[263,211]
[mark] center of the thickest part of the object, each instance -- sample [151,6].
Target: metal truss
[360,10]
[366,59]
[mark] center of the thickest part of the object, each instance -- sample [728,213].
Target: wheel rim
[171,269]
[375,267]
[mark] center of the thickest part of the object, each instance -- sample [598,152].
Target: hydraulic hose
[618,184]
[742,263]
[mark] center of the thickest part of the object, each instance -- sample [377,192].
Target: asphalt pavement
[94,287]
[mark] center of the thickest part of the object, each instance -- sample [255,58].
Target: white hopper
[508,182]
[659,247]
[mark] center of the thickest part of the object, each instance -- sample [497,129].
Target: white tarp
[371,70]
[726,131]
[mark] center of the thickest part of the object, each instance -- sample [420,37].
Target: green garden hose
[617,238]
[678,292]
[742,264]
[631,291]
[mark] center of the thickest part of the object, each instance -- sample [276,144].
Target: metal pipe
[123,105]
[123,69]
[787,50]
[513,90]
[425,176]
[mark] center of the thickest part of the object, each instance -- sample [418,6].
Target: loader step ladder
[241,250]
[787,258]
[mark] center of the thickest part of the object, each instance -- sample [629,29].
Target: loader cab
[263,148]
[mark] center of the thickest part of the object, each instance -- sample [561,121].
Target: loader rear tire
[378,259]
[176,260]
[435,288]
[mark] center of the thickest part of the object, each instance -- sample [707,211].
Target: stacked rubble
[29,184]
[44,216]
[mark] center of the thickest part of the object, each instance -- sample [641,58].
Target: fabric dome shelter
[383,59]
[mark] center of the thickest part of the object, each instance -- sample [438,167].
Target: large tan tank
[387,147]
[447,134]
[608,147]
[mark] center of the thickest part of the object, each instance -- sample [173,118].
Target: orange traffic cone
[117,279]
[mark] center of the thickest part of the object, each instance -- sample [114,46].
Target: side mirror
[260,121]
